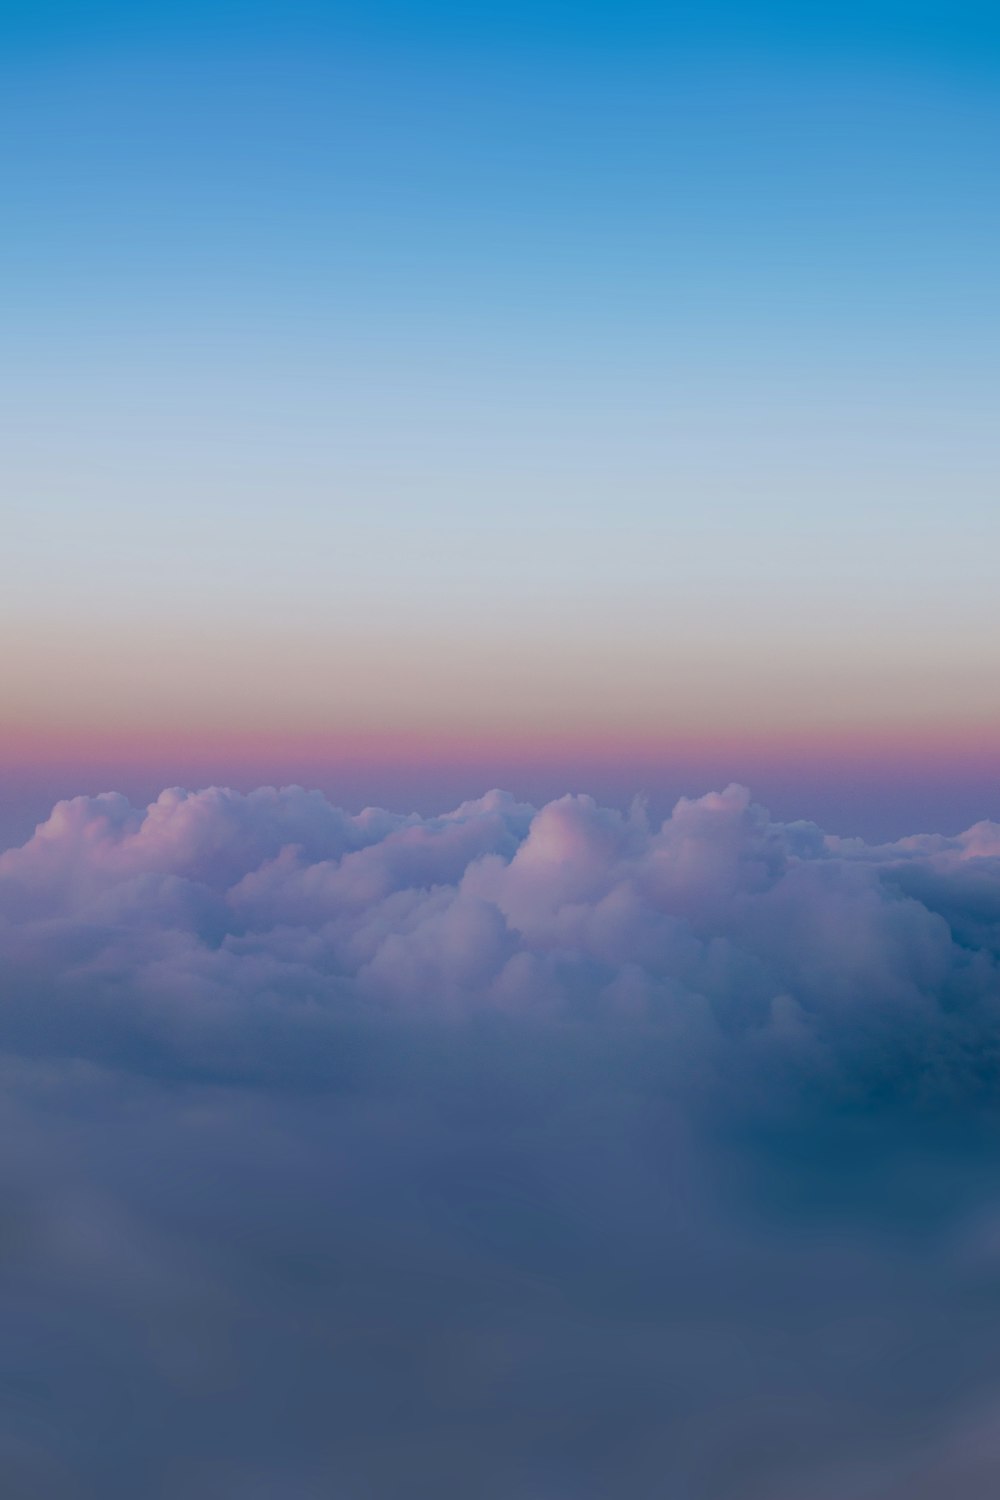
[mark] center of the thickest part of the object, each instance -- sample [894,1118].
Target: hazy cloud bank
[510,1153]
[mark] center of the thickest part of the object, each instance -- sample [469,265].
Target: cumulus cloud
[509,1153]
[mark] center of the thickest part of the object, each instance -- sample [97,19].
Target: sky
[405,399]
[500,645]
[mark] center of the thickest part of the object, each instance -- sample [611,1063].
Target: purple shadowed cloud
[507,1153]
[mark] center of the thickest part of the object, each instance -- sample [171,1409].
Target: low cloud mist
[524,1154]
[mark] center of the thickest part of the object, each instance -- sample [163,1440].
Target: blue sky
[648,333]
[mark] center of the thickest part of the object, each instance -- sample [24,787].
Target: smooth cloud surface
[510,1153]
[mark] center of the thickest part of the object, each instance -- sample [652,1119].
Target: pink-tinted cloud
[526,1151]
[716,913]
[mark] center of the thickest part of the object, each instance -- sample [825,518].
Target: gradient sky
[404,397]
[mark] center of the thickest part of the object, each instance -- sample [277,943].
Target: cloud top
[718,919]
[510,1152]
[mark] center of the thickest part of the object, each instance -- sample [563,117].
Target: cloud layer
[510,1153]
